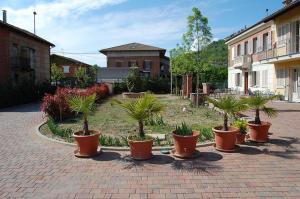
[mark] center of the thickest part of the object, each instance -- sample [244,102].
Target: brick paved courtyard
[32,167]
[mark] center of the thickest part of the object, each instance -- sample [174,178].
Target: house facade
[151,60]
[24,56]
[68,65]
[266,56]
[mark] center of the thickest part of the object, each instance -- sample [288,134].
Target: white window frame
[66,69]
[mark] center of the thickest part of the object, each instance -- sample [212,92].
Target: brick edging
[38,132]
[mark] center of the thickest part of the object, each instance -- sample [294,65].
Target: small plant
[240,124]
[230,107]
[106,140]
[183,130]
[155,121]
[258,103]
[158,142]
[140,110]
[206,134]
[84,105]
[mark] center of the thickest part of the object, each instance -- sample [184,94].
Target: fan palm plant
[84,105]
[229,105]
[258,103]
[141,109]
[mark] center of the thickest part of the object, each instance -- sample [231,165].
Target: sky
[80,28]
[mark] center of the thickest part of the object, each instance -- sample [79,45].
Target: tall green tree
[196,38]
[56,73]
[82,77]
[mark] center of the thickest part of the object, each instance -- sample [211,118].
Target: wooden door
[246,83]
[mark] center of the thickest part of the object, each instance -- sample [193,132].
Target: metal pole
[171,73]
[34,13]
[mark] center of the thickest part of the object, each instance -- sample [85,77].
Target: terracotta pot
[225,140]
[240,138]
[141,150]
[87,144]
[259,132]
[185,146]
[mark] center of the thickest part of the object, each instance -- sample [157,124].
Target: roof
[266,19]
[68,59]
[25,33]
[112,73]
[133,47]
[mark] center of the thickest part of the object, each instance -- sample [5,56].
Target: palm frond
[270,112]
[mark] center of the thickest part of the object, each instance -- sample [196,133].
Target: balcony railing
[282,48]
[243,61]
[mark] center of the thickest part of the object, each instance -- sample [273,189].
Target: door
[246,83]
[294,84]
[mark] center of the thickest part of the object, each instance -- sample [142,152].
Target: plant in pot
[241,124]
[87,140]
[258,130]
[225,136]
[185,140]
[141,109]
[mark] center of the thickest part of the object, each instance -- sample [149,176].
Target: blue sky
[86,26]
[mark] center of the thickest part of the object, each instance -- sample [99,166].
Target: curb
[38,132]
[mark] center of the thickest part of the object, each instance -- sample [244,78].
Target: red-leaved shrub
[56,106]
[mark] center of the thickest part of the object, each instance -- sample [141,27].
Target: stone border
[38,132]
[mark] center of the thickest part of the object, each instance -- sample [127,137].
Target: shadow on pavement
[107,156]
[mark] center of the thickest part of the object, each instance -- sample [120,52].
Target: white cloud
[71,27]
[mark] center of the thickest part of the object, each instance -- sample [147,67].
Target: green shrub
[183,130]
[241,125]
[63,133]
[155,121]
[206,134]
[106,140]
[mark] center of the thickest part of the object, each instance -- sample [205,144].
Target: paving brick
[33,167]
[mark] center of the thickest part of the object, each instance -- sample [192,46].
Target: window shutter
[235,51]
[242,49]
[270,40]
[298,71]
[250,46]
[232,53]
[258,78]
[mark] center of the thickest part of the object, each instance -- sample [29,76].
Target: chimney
[4,16]
[287,2]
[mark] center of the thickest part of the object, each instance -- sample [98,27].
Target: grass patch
[115,125]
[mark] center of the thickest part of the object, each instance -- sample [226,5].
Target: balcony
[242,62]
[284,50]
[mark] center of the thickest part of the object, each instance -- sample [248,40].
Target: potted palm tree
[185,140]
[141,109]
[241,124]
[87,140]
[258,130]
[225,136]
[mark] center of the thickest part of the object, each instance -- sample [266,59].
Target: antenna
[267,12]
[34,13]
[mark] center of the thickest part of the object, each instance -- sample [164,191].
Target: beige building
[266,56]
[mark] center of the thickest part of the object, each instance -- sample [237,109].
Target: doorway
[246,83]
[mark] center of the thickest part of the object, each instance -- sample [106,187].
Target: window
[238,79]
[132,63]
[282,34]
[265,41]
[280,77]
[255,78]
[119,63]
[66,69]
[246,48]
[239,50]
[255,45]
[147,65]
[264,78]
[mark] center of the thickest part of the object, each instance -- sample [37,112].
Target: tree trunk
[197,90]
[85,127]
[141,129]
[225,126]
[257,118]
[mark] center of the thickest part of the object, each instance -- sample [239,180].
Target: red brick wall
[155,66]
[73,68]
[4,55]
